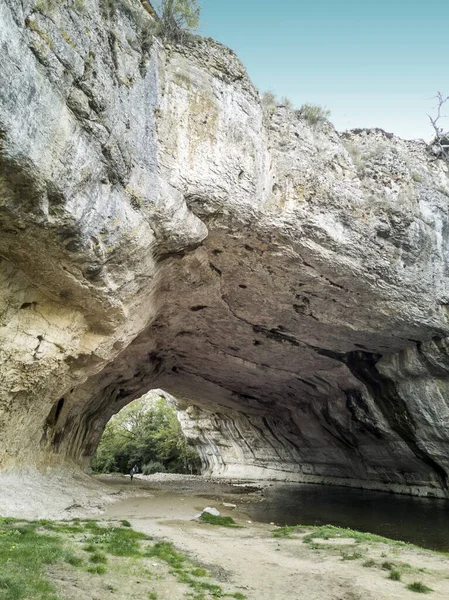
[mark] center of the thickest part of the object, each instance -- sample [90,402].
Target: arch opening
[146,437]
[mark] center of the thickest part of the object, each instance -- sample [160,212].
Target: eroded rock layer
[289,284]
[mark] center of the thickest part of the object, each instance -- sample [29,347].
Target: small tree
[440,144]
[178,17]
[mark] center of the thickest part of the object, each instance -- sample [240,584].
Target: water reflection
[420,521]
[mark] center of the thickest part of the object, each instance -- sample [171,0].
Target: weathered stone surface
[157,230]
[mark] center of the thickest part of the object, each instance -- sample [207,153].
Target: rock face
[288,284]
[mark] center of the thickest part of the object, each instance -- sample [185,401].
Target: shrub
[269,101]
[152,467]
[314,114]
[98,558]
[286,102]
[177,17]
[394,575]
[419,587]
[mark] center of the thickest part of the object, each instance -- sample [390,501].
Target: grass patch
[419,587]
[369,563]
[199,572]
[97,569]
[117,541]
[72,559]
[183,569]
[284,532]
[387,565]
[327,532]
[98,558]
[218,520]
[394,575]
[24,555]
[125,523]
[352,556]
[165,551]
[28,547]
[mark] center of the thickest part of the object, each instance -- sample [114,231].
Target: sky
[372,63]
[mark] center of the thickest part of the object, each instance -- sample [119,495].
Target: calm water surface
[421,521]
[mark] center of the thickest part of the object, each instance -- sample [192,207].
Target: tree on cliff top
[177,17]
[440,144]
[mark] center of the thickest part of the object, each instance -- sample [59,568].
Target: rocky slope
[288,283]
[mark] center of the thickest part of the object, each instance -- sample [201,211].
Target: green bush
[314,114]
[394,575]
[419,587]
[154,466]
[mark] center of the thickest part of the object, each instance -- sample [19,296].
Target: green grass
[327,532]
[97,569]
[387,565]
[369,563]
[27,548]
[218,520]
[394,575]
[165,551]
[352,556]
[24,556]
[116,541]
[73,559]
[183,569]
[419,587]
[125,523]
[98,558]
[284,532]
[199,572]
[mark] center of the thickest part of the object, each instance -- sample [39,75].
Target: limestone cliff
[288,283]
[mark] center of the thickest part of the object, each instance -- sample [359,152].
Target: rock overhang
[160,230]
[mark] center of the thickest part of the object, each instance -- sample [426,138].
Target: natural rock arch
[158,230]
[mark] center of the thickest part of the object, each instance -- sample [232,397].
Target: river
[421,521]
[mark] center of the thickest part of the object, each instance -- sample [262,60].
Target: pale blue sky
[373,64]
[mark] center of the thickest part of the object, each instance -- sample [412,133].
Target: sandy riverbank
[268,568]
[248,560]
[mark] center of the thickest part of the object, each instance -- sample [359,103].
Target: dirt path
[263,567]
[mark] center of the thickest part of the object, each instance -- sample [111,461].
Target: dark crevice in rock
[356,405]
[276,335]
[216,269]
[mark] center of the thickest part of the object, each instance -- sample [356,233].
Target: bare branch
[440,145]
